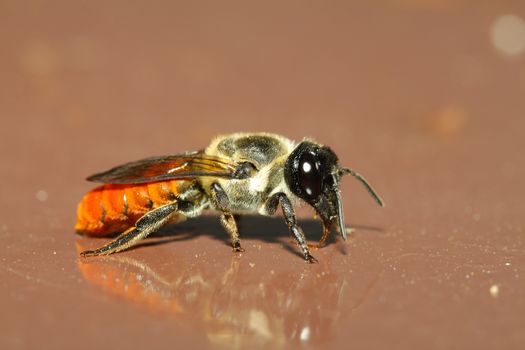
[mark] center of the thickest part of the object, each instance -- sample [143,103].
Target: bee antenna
[344,171]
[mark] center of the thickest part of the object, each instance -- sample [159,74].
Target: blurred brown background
[425,98]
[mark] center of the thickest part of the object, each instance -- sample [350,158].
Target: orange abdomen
[111,209]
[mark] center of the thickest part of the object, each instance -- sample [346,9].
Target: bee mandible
[241,173]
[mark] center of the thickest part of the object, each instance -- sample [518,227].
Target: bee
[240,173]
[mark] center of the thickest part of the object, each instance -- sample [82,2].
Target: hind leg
[144,226]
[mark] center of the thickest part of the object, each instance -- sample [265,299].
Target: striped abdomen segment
[111,209]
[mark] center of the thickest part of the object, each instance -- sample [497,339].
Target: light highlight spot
[494,291]
[507,35]
[305,334]
[259,323]
[307,167]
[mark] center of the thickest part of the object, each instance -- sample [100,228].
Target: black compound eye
[309,175]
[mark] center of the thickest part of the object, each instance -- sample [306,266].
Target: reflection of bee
[237,305]
[235,174]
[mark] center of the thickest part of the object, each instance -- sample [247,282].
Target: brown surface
[413,94]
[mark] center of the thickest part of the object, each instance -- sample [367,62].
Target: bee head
[312,173]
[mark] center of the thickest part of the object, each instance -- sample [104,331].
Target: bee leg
[229,224]
[322,241]
[324,238]
[221,201]
[289,217]
[147,224]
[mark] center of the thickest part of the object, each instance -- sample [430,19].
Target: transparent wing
[177,166]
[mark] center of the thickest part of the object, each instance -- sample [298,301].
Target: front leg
[289,217]
[221,202]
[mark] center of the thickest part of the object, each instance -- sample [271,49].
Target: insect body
[110,209]
[236,174]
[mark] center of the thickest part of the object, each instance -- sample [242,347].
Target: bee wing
[177,166]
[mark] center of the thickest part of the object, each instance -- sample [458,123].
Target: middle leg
[221,202]
[229,224]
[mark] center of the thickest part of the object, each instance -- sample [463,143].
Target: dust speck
[41,195]
[450,120]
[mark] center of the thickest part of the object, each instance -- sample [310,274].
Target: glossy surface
[424,98]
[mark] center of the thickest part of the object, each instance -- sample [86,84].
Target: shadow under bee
[265,229]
